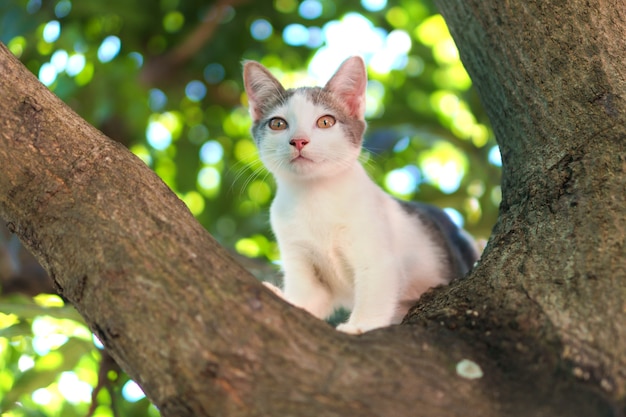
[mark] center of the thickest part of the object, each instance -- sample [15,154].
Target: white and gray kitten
[343,241]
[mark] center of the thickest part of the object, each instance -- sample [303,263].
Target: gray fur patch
[354,127]
[460,253]
[265,108]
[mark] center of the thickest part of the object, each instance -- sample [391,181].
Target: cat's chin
[303,169]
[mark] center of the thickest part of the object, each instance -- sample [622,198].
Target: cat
[343,241]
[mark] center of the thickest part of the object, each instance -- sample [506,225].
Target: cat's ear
[349,83]
[260,87]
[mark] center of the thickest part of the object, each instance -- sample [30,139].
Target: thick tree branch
[552,79]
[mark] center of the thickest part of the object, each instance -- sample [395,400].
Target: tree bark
[542,314]
[552,78]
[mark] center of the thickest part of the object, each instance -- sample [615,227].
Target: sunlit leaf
[19,329]
[27,382]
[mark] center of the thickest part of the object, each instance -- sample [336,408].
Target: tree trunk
[552,78]
[542,315]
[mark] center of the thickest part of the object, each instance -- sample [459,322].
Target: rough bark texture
[542,314]
[552,78]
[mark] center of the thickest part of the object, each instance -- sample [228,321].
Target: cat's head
[308,132]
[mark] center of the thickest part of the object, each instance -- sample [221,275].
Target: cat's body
[344,242]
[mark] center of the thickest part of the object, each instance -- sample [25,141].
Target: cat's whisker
[249,158]
[243,170]
[366,162]
[255,174]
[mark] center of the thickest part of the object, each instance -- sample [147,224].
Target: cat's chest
[314,217]
[327,213]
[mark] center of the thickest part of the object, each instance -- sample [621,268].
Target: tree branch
[555,92]
[161,67]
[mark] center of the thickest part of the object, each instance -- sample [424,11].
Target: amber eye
[277,123]
[325,122]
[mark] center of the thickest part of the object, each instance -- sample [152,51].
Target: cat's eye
[325,122]
[276,123]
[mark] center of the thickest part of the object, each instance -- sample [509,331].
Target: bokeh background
[163,77]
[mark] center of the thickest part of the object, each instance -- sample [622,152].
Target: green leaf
[19,329]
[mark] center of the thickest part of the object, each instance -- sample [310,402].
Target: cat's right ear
[260,87]
[349,83]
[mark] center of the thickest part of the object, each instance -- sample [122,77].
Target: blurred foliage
[164,78]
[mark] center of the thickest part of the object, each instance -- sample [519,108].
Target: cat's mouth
[300,159]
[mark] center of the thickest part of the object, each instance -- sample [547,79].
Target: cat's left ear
[261,86]
[349,83]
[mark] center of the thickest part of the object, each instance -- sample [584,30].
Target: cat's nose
[298,143]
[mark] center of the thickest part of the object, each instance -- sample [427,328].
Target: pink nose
[298,143]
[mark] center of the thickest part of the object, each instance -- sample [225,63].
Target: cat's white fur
[344,242]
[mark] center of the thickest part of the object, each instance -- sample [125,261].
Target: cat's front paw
[349,328]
